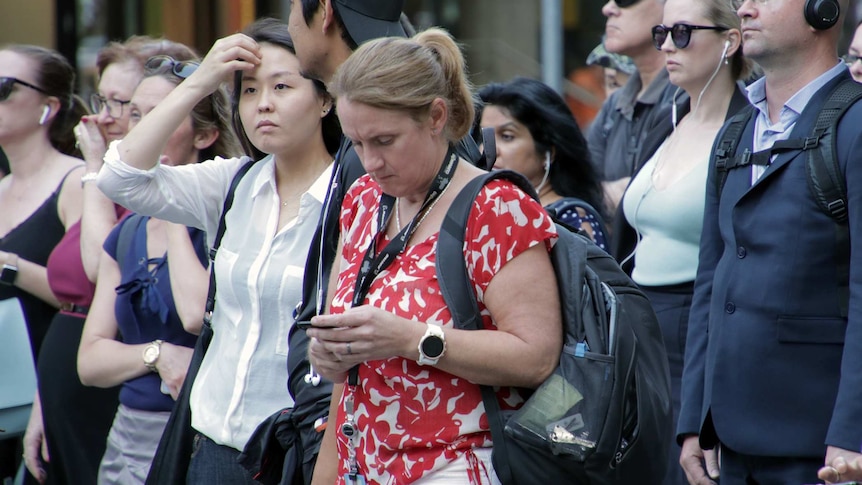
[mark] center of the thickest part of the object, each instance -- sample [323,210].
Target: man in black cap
[325,33]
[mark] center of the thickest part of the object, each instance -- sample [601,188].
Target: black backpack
[604,416]
[825,178]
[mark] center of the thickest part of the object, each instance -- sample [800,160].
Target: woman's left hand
[360,334]
[172,366]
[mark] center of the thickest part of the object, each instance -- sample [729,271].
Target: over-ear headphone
[822,14]
[45,112]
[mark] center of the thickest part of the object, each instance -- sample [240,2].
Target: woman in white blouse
[259,266]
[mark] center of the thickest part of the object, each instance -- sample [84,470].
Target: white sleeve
[192,195]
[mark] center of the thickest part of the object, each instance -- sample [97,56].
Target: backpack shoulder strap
[460,297]
[126,236]
[725,148]
[825,177]
[450,265]
[228,202]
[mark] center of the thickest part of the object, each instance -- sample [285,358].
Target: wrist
[89,177]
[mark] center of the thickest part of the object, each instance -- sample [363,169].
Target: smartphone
[306,324]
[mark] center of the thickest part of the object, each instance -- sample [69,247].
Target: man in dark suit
[773,367]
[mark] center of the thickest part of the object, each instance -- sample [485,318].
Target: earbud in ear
[724,52]
[547,163]
[45,112]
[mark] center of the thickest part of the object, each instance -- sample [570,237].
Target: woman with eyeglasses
[66,435]
[663,205]
[259,266]
[41,196]
[151,286]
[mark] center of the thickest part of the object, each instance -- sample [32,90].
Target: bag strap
[127,234]
[824,172]
[725,149]
[228,202]
[459,296]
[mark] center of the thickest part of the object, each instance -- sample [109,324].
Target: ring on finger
[349,352]
[837,474]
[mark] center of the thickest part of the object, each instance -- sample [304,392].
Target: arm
[523,299]
[692,457]
[189,280]
[99,215]
[844,432]
[35,445]
[144,144]
[102,360]
[326,468]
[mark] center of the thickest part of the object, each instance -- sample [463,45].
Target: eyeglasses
[114,106]
[626,3]
[737,4]
[166,64]
[7,83]
[680,34]
[850,59]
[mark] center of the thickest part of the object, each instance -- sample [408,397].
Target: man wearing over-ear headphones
[773,367]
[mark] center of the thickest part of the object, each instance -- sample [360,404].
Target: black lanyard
[374,263]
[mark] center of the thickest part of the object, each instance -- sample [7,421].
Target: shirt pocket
[811,329]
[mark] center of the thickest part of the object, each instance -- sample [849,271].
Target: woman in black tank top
[41,197]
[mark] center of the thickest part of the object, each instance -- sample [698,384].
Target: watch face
[432,346]
[151,354]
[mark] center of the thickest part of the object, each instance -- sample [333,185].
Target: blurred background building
[501,38]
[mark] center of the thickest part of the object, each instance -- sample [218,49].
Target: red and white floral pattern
[414,419]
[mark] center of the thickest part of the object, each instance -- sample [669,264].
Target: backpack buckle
[838,209]
[810,142]
[721,163]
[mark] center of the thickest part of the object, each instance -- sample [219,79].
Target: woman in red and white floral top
[409,407]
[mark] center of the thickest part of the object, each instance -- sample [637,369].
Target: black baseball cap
[371,19]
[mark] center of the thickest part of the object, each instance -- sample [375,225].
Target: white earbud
[45,112]
[547,165]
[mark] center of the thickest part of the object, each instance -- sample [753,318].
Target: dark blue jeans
[215,464]
[740,469]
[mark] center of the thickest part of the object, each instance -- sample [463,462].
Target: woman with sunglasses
[65,438]
[41,196]
[664,203]
[151,286]
[259,265]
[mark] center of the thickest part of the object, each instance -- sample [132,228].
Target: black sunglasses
[7,83]
[679,33]
[165,64]
[626,3]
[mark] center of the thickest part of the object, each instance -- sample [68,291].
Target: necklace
[424,214]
